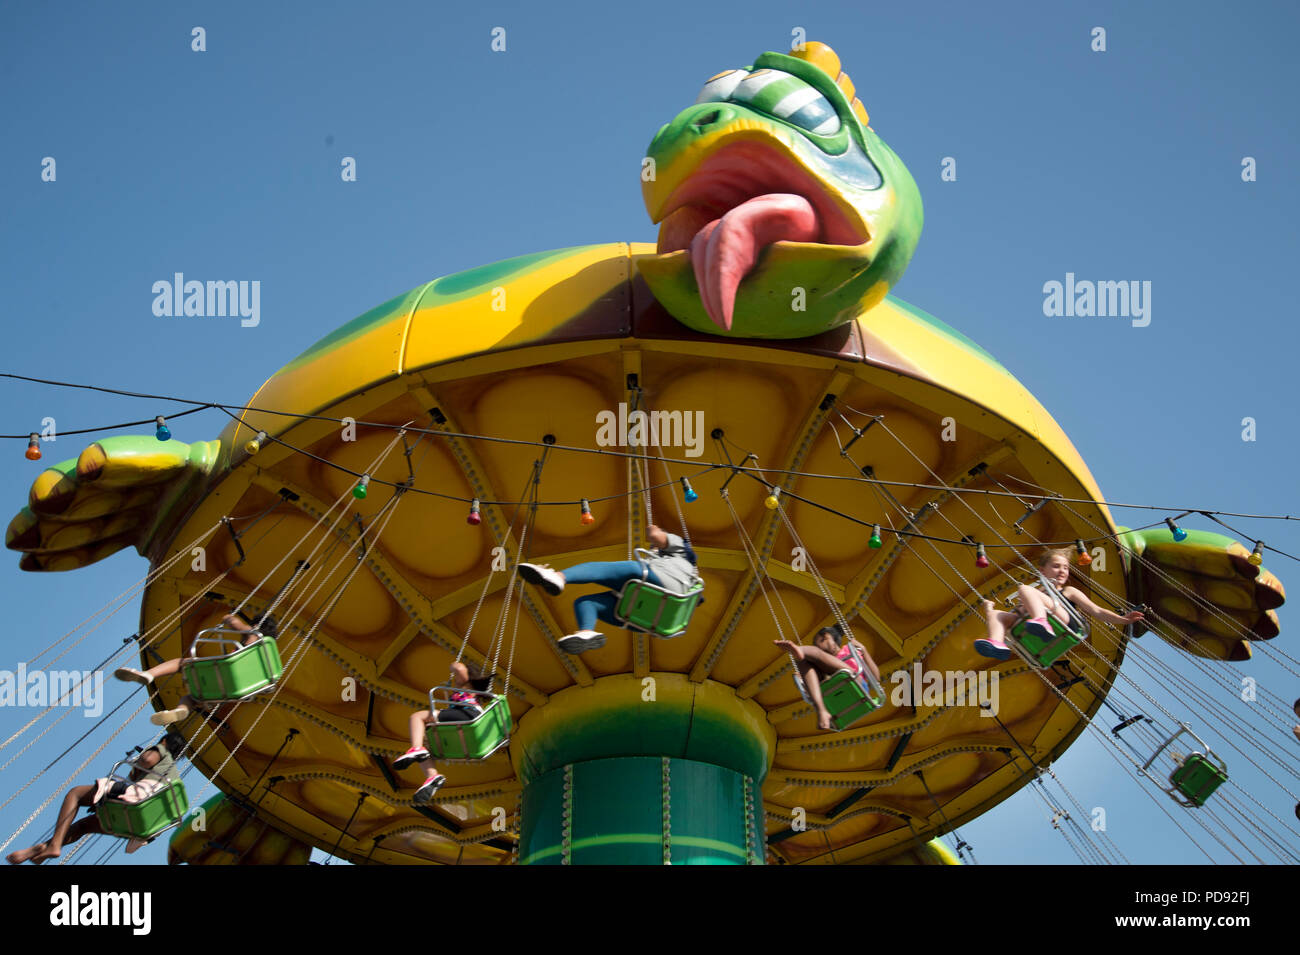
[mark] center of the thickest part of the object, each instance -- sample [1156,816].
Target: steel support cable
[1062,696]
[1198,601]
[1231,831]
[999,535]
[903,444]
[125,596]
[1151,660]
[947,826]
[295,644]
[1211,713]
[67,782]
[1289,853]
[1041,771]
[759,566]
[530,519]
[760,573]
[375,462]
[41,715]
[1040,792]
[1232,726]
[378,526]
[330,534]
[65,752]
[487,582]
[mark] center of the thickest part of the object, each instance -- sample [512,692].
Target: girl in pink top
[1055,567]
[823,659]
[465,706]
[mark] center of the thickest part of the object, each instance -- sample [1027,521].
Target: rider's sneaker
[168,717]
[412,755]
[993,648]
[1040,628]
[424,795]
[552,581]
[582,641]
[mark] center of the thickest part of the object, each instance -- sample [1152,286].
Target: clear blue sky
[225,164]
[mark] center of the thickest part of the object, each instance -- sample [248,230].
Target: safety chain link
[519,827]
[749,822]
[667,802]
[566,816]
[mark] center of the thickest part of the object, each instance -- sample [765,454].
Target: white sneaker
[168,717]
[582,641]
[552,581]
[129,675]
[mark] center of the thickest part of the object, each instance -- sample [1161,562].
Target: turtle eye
[809,110]
[718,88]
[789,98]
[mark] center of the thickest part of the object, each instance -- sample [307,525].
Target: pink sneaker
[413,755]
[1040,628]
[997,649]
[424,795]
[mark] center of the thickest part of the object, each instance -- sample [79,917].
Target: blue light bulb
[689,492]
[163,433]
[1180,535]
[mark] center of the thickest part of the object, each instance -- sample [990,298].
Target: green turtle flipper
[1208,598]
[123,491]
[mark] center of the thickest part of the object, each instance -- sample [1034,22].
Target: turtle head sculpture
[781,213]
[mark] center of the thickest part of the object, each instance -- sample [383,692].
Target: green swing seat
[847,698]
[240,672]
[1042,653]
[474,739]
[145,819]
[1196,776]
[648,608]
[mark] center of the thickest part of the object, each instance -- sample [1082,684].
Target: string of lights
[262,439]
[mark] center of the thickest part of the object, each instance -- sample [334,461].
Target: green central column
[643,771]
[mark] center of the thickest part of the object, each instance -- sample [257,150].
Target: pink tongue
[725,250]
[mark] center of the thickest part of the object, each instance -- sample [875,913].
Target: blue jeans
[608,573]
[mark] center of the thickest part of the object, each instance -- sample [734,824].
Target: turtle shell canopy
[546,345]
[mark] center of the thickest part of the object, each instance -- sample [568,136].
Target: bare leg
[1039,605]
[419,721]
[827,664]
[812,680]
[809,672]
[993,618]
[1034,602]
[183,709]
[796,651]
[998,621]
[76,797]
[168,667]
